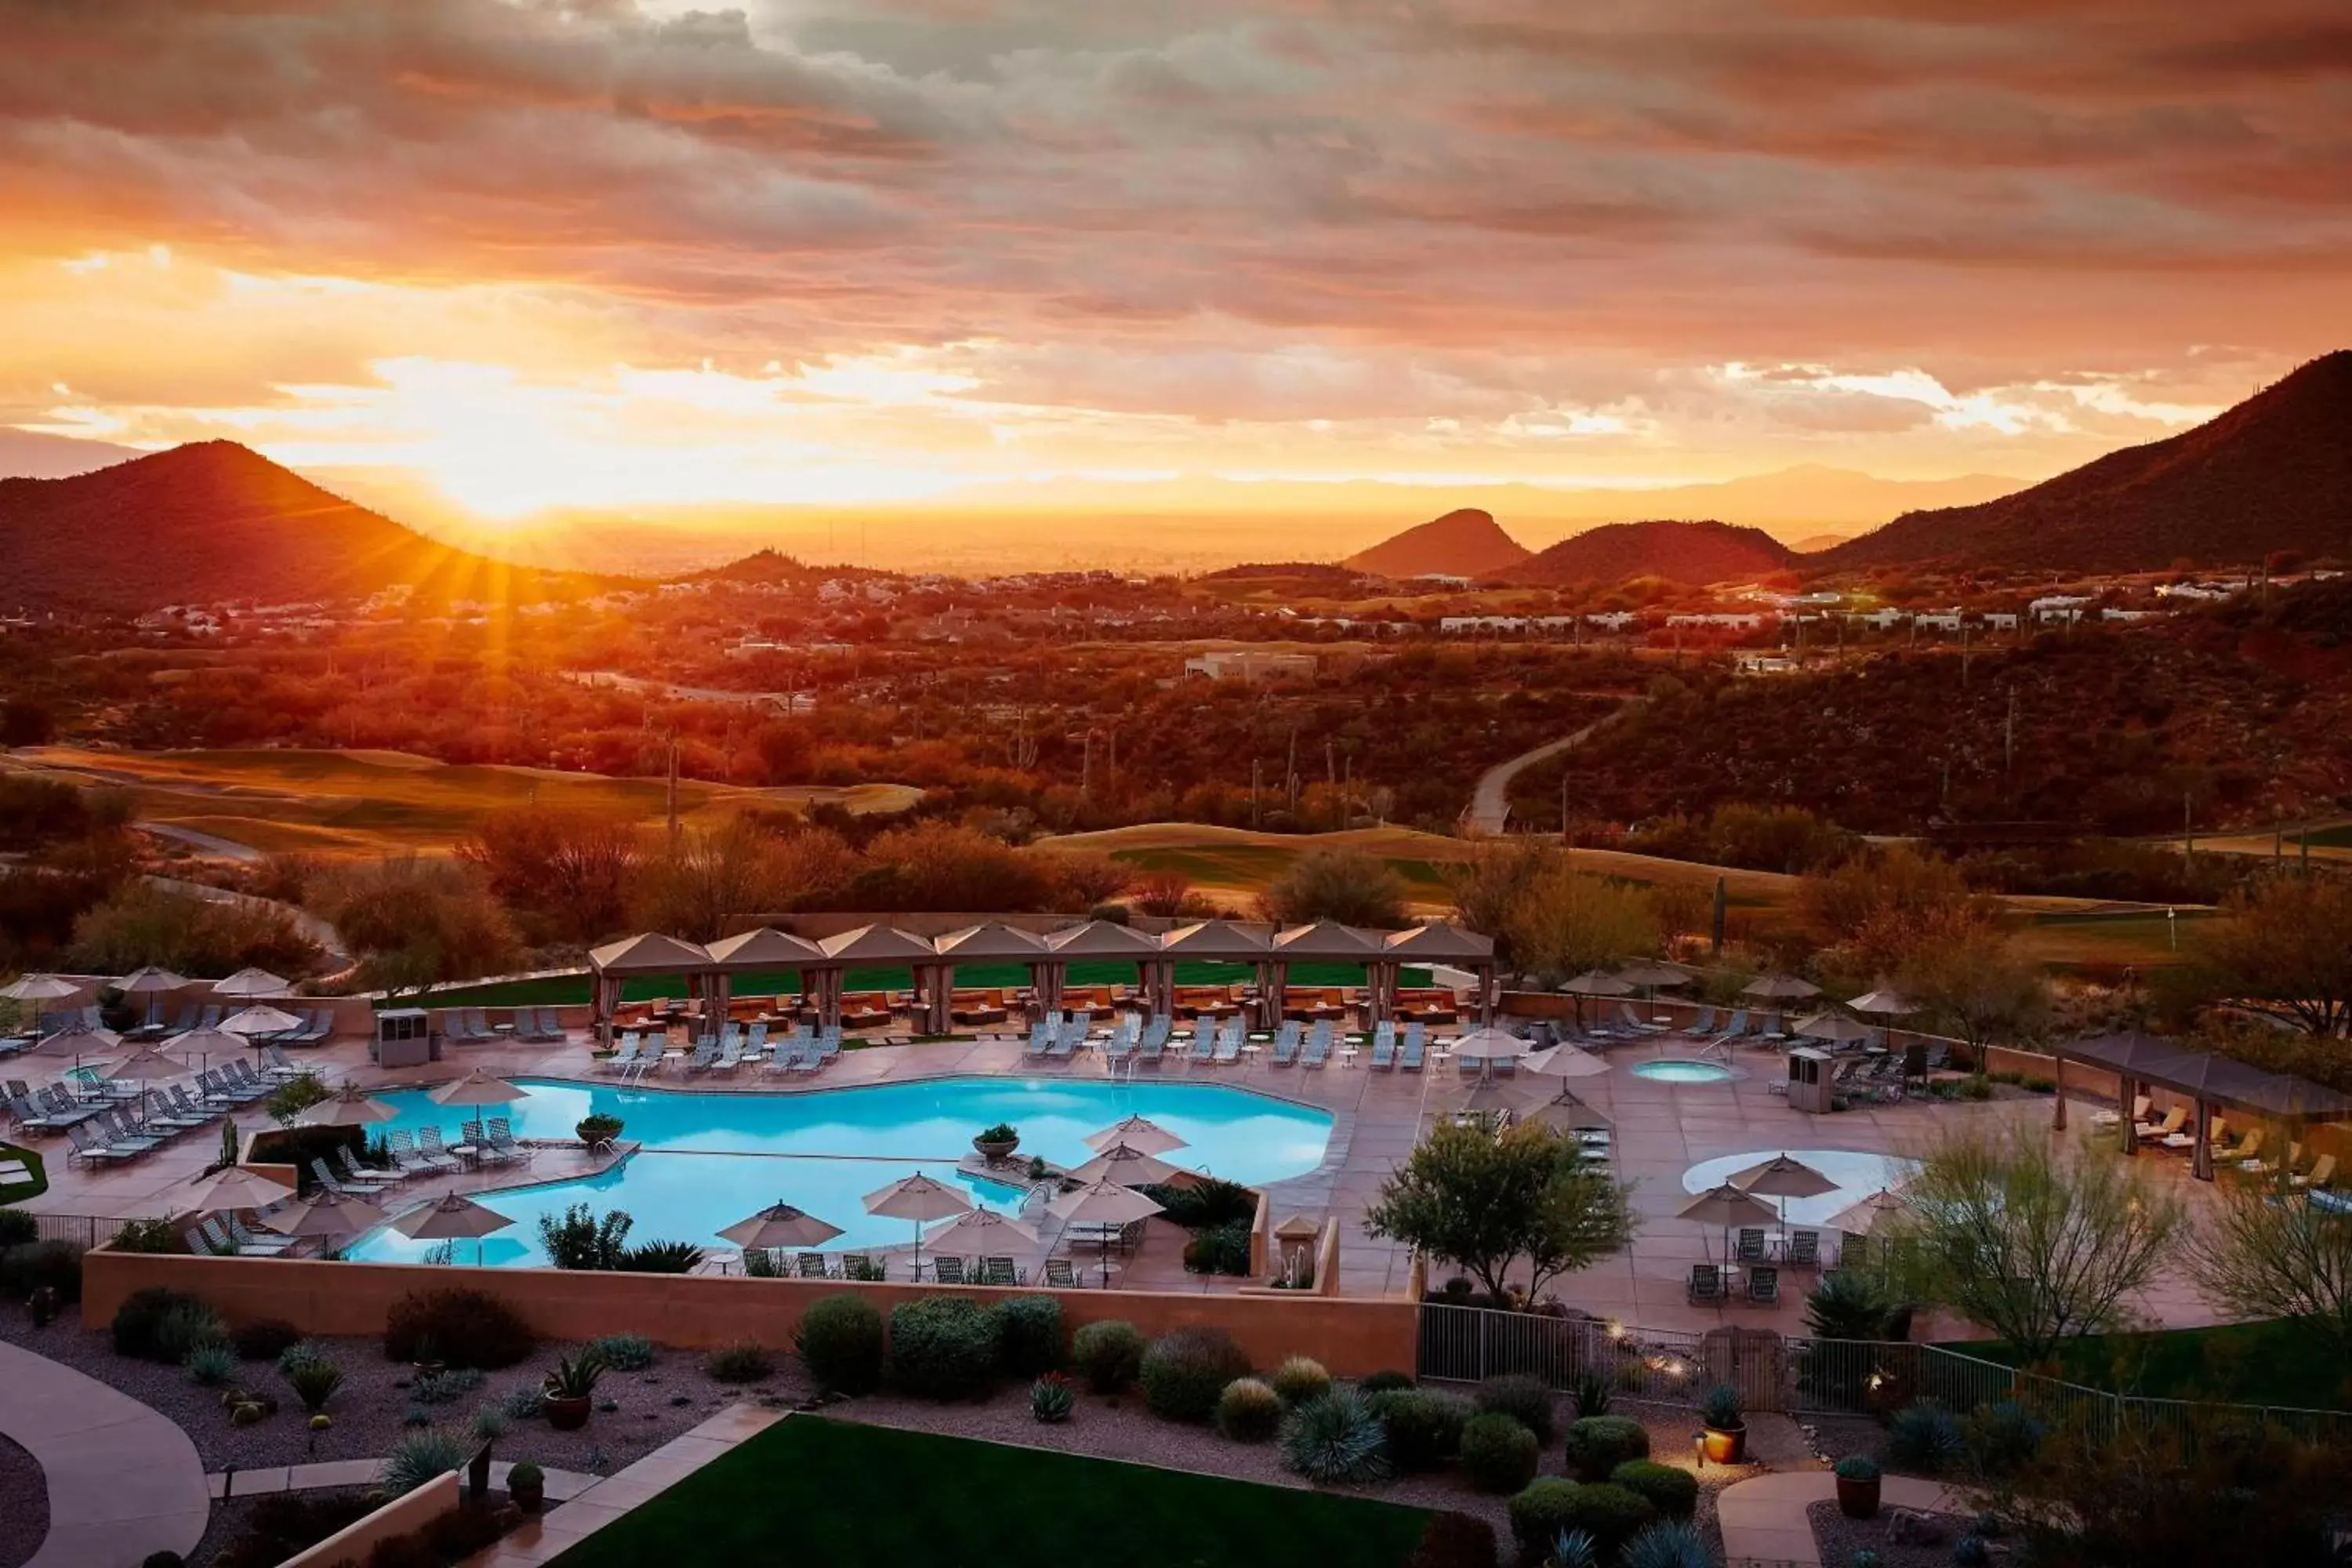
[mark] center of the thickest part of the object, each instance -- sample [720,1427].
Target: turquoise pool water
[709,1160]
[1857,1173]
[1681,1069]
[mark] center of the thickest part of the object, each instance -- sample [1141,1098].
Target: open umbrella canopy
[252,982]
[347,1108]
[984,1230]
[1489,1044]
[39,988]
[147,981]
[451,1217]
[1487,1094]
[1654,972]
[260,1020]
[1726,1206]
[479,1088]
[916,1197]
[1594,983]
[1127,1167]
[1859,1217]
[76,1043]
[1830,1027]
[208,1042]
[1884,1002]
[1136,1132]
[325,1213]
[237,1188]
[1565,1061]
[1781,988]
[779,1225]
[1783,1177]
[1102,1203]
[146,1064]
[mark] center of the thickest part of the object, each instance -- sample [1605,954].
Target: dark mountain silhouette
[1465,543]
[214,522]
[2274,473]
[1677,552]
[30,455]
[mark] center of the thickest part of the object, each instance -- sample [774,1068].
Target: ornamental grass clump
[1249,1411]
[1334,1440]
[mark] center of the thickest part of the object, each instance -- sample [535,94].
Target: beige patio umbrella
[1726,1206]
[1858,1219]
[779,1225]
[347,1107]
[1784,1178]
[1104,1203]
[1488,1095]
[39,988]
[1651,974]
[207,1042]
[147,981]
[1566,1063]
[237,1188]
[147,1066]
[1884,1001]
[1489,1044]
[984,1230]
[1127,1167]
[1136,1132]
[920,1198]
[325,1213]
[1779,988]
[1827,1026]
[478,1088]
[252,982]
[452,1217]
[259,1020]
[1596,982]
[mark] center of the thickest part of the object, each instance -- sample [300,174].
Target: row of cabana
[823,964]
[2211,1081]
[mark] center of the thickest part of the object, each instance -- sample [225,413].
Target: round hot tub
[1681,1069]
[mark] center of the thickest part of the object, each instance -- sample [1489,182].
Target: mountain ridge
[1674,549]
[1464,543]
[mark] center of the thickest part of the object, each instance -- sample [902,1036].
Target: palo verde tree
[2284,948]
[1525,1202]
[1344,885]
[1976,985]
[2035,1240]
[2265,1253]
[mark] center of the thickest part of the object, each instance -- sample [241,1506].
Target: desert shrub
[1925,1438]
[624,1352]
[1051,1399]
[1424,1425]
[2003,1437]
[1334,1440]
[42,1265]
[1599,1444]
[1672,1492]
[1524,1399]
[210,1366]
[945,1347]
[1301,1378]
[1219,1249]
[840,1341]
[1452,1540]
[441,1387]
[1970,1551]
[418,1456]
[742,1361]
[1382,1383]
[1107,1354]
[1573,1549]
[458,1328]
[1498,1452]
[1593,1394]
[300,1351]
[660,1257]
[19,1228]
[1249,1411]
[280,1526]
[314,1383]
[187,1327]
[1203,1205]
[527,1402]
[1609,1514]
[265,1339]
[1184,1372]
[1029,1334]
[139,1324]
[298,1146]
[1667,1543]
[145,1236]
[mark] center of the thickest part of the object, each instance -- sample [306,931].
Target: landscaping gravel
[1840,1538]
[23,1504]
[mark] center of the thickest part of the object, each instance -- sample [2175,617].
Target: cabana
[868,947]
[652,954]
[1101,939]
[1324,941]
[994,943]
[765,950]
[1437,944]
[2209,1080]
[1213,941]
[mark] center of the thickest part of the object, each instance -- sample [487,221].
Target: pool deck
[1660,1130]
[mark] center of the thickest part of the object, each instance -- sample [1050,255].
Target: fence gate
[1466,1344]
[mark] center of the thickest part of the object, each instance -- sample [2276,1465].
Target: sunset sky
[853,250]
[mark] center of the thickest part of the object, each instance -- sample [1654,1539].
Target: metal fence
[82,1231]
[1796,1376]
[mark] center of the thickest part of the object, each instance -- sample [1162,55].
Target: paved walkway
[330,1475]
[1490,802]
[1765,1524]
[123,1481]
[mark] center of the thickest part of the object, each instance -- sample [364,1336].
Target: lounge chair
[121,1136]
[755,1042]
[2140,1107]
[186,1021]
[1629,1020]
[503,1146]
[1124,1040]
[161,1112]
[1204,1041]
[1702,1025]
[408,1155]
[1736,1029]
[2173,1121]
[1154,1047]
[1751,1244]
[1764,1285]
[229,1237]
[1384,1045]
[1410,1056]
[355,1174]
[1804,1250]
[1705,1283]
[209,1018]
[861,1265]
[2322,1173]
[947,1271]
[623,1059]
[1286,1043]
[1229,1042]
[813,1266]
[184,1106]
[1000,1272]
[429,1142]
[1318,1044]
[1041,1041]
[89,1148]
[1059,1275]
[341,1189]
[2247,1153]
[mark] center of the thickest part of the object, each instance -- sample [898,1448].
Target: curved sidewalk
[1765,1523]
[123,1481]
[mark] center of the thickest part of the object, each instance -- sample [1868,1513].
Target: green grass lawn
[811,1490]
[560,989]
[2278,1363]
[22,1190]
[2337,837]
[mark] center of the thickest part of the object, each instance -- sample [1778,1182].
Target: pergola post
[2058,1111]
[1048,978]
[1274,991]
[1484,974]
[2201,1161]
[720,991]
[2127,1088]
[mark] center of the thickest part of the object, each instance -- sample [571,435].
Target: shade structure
[479,1088]
[1593,983]
[1651,974]
[1566,1063]
[651,953]
[1883,1003]
[877,945]
[1724,1206]
[39,988]
[148,1064]
[1779,988]
[259,1020]
[1136,1132]
[325,1213]
[252,982]
[984,1230]
[1127,1166]
[920,1198]
[1102,939]
[1488,1095]
[452,1217]
[208,1042]
[75,1043]
[1217,941]
[1858,1218]
[764,948]
[1489,1044]
[1830,1027]
[992,941]
[779,1225]
[148,981]
[1439,943]
[1783,1177]
[237,1188]
[347,1108]
[1328,940]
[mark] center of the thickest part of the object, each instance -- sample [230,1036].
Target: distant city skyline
[855,253]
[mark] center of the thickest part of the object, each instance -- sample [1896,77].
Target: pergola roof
[877,944]
[1326,939]
[651,953]
[766,948]
[1439,943]
[992,943]
[1102,939]
[2202,1075]
[1216,940]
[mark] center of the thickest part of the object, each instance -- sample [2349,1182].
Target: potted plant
[598,1130]
[1727,1426]
[1857,1486]
[526,1487]
[571,1391]
[998,1143]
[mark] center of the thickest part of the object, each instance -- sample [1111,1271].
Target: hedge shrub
[840,1341]
[157,1324]
[1249,1411]
[1522,1398]
[1029,1334]
[53,1265]
[1599,1444]
[1107,1354]
[1672,1492]
[458,1328]
[1424,1426]
[1609,1514]
[1499,1454]
[945,1347]
[265,1339]
[1184,1372]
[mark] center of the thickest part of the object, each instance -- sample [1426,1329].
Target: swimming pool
[709,1160]
[1681,1069]
[1857,1173]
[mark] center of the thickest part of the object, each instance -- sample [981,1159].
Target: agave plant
[1336,1440]
[314,1383]
[1668,1544]
[1573,1549]
[574,1377]
[1592,1394]
[419,1456]
[1051,1399]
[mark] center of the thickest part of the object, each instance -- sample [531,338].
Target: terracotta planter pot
[569,1414]
[996,1152]
[1726,1444]
[1858,1499]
